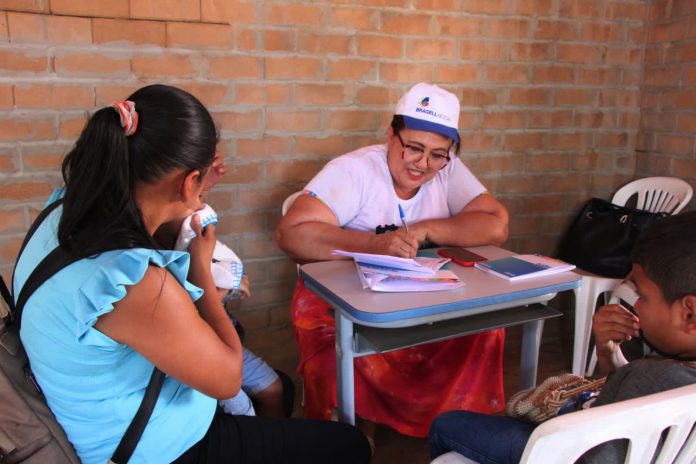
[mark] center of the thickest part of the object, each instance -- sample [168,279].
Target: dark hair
[398,125]
[174,131]
[667,253]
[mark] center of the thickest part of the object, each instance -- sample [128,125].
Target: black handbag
[601,237]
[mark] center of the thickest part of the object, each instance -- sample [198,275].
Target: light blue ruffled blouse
[92,383]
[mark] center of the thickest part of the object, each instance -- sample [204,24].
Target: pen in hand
[403,218]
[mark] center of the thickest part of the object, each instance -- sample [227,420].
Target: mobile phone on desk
[461,256]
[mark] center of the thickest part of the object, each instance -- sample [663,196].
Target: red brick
[489,8]
[504,120]
[620,98]
[70,126]
[293,121]
[210,94]
[401,24]
[352,18]
[134,31]
[674,144]
[476,50]
[550,119]
[226,67]
[199,35]
[264,197]
[292,68]
[34,61]
[91,65]
[248,39]
[684,168]
[236,121]
[182,10]
[406,72]
[575,53]
[563,141]
[34,6]
[582,97]
[164,66]
[437,5]
[53,96]
[615,140]
[27,128]
[43,158]
[679,52]
[360,70]
[25,190]
[377,96]
[538,51]
[242,223]
[267,146]
[506,28]
[681,8]
[524,141]
[431,49]
[242,173]
[595,118]
[594,32]
[9,248]
[276,41]
[623,11]
[88,8]
[506,73]
[228,11]
[667,32]
[479,142]
[541,74]
[581,8]
[687,122]
[527,184]
[4,31]
[623,55]
[320,94]
[61,29]
[685,99]
[453,73]
[6,99]
[293,171]
[478,97]
[458,26]
[12,221]
[529,96]
[264,94]
[105,95]
[589,75]
[353,120]
[9,159]
[379,45]
[323,146]
[555,29]
[324,43]
[25,27]
[292,14]
[534,7]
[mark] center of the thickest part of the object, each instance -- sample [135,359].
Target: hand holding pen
[403,218]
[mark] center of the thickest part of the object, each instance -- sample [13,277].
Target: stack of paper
[383,273]
[520,267]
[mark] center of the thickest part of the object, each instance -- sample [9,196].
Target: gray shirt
[638,378]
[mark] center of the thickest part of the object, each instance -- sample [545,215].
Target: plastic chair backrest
[640,420]
[289,201]
[656,194]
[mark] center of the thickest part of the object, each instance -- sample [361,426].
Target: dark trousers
[263,440]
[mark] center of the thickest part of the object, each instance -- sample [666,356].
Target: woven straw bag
[564,393]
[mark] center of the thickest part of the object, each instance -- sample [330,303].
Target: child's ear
[688,313]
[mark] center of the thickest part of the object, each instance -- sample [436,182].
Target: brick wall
[550,92]
[666,142]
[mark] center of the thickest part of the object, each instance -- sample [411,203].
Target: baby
[259,380]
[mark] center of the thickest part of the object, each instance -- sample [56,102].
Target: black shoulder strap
[53,263]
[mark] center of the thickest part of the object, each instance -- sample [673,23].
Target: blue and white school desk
[368,322]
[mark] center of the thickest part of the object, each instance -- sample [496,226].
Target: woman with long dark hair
[95,329]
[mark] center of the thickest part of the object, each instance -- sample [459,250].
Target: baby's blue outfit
[93,384]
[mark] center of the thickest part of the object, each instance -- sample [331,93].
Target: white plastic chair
[654,194]
[641,420]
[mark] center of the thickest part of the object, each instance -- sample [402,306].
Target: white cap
[430,108]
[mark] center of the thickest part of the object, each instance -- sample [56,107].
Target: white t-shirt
[359,189]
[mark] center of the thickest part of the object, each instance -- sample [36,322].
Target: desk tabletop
[339,284]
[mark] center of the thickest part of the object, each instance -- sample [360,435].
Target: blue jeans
[480,437]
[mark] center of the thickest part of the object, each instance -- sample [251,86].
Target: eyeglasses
[436,160]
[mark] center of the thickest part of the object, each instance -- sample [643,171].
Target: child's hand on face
[245,288]
[201,251]
[613,324]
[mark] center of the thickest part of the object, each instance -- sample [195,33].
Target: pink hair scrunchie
[128,115]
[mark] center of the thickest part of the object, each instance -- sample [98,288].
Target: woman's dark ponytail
[174,131]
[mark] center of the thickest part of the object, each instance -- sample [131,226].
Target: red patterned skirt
[404,389]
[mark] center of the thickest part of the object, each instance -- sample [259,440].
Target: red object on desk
[461,256]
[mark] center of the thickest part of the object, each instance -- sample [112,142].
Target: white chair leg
[593,363]
[585,301]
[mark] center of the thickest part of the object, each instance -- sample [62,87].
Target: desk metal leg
[531,340]
[345,383]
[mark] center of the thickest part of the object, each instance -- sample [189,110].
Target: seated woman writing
[353,204]
[94,330]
